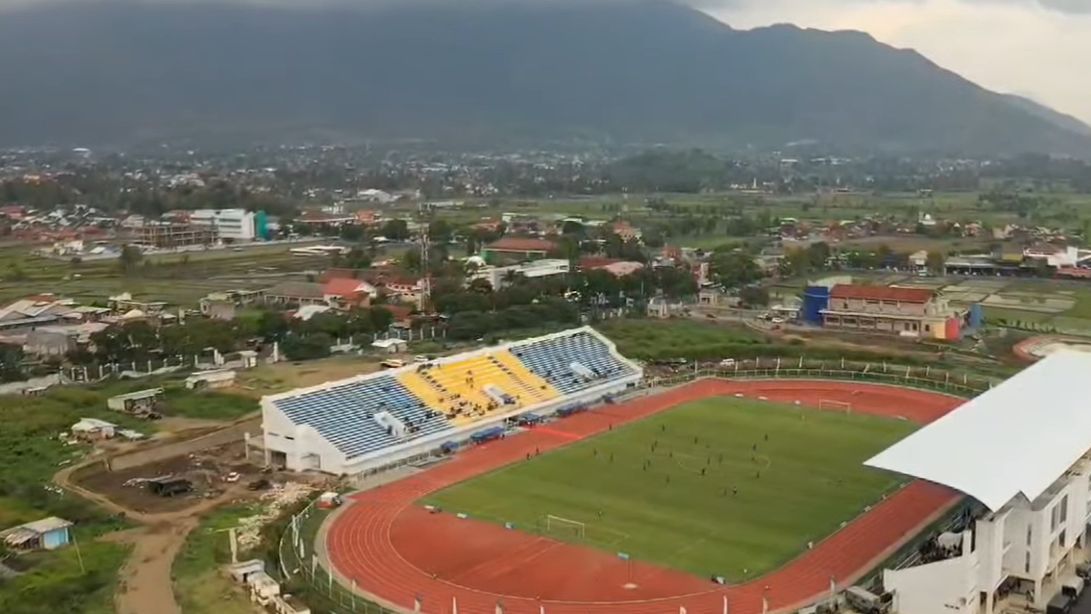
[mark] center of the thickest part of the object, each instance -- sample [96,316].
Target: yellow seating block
[423,389]
[466,380]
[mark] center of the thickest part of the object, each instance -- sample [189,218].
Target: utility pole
[426,279]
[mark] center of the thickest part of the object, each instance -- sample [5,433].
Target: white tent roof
[1017,438]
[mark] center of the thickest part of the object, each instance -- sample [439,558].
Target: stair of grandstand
[530,384]
[346,415]
[553,359]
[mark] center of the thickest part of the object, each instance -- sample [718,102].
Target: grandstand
[353,425]
[1021,452]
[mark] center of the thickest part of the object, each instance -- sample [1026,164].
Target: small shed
[45,534]
[92,428]
[391,346]
[169,486]
[211,379]
[135,402]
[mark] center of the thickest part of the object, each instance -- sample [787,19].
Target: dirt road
[145,583]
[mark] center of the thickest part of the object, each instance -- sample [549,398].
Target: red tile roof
[346,288]
[589,263]
[521,244]
[882,293]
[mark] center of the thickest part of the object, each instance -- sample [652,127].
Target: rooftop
[1014,440]
[521,244]
[882,293]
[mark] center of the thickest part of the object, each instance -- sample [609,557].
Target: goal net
[831,405]
[565,526]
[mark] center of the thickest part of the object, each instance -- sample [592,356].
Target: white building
[1021,450]
[500,277]
[232,224]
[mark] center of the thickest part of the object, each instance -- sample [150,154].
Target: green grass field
[795,487]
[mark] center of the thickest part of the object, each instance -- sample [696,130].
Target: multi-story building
[1022,450]
[229,224]
[168,235]
[908,312]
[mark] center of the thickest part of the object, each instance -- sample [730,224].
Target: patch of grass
[55,582]
[207,405]
[1082,308]
[199,585]
[1010,316]
[798,475]
[665,339]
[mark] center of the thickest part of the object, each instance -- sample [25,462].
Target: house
[296,293]
[36,311]
[45,534]
[403,289]
[367,217]
[306,312]
[517,249]
[321,218]
[346,292]
[372,195]
[125,303]
[391,346]
[60,340]
[626,231]
[907,312]
[91,429]
[223,305]
[615,266]
[500,277]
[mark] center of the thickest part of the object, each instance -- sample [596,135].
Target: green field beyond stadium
[727,487]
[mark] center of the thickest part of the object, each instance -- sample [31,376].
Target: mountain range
[485,72]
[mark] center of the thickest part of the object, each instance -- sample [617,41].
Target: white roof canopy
[1017,438]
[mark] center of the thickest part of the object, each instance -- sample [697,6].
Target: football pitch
[727,487]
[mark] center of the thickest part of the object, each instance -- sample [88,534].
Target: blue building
[45,534]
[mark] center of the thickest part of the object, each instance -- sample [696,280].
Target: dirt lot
[206,471]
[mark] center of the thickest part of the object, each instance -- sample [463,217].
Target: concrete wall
[180,448]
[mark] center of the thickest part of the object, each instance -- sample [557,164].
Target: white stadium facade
[1021,450]
[359,424]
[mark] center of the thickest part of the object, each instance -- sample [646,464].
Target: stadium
[719,495]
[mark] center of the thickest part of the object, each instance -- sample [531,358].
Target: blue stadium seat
[552,359]
[344,414]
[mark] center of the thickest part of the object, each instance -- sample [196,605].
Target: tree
[396,230]
[298,347]
[130,258]
[734,268]
[11,363]
[411,261]
[818,255]
[754,296]
[935,262]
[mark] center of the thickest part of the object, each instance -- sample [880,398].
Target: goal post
[831,405]
[559,525]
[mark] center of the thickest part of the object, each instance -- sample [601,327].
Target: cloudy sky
[1037,48]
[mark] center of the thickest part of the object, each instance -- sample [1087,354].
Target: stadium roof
[1017,438]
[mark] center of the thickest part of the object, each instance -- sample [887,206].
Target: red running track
[396,551]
